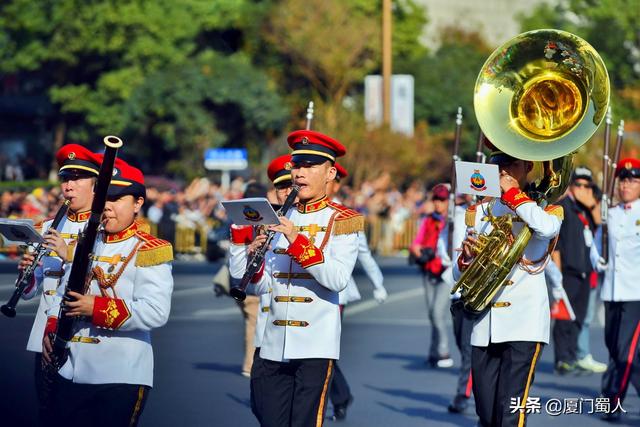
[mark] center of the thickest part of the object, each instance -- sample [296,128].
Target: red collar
[78,217]
[314,206]
[122,235]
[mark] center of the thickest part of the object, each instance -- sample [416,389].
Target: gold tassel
[470,216]
[155,256]
[348,225]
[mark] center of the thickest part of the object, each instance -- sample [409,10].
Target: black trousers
[566,332]
[339,393]
[290,394]
[462,328]
[502,372]
[103,405]
[622,337]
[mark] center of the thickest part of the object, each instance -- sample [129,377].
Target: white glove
[601,265]
[380,295]
[557,292]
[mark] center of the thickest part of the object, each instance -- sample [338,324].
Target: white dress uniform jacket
[241,236]
[520,311]
[371,269]
[48,276]
[304,278]
[621,275]
[134,297]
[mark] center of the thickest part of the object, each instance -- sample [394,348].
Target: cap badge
[71,155]
[115,172]
[628,165]
[288,166]
[305,140]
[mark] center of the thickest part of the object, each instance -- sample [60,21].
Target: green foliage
[611,27]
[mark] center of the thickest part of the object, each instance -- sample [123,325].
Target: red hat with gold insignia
[77,161]
[312,147]
[628,168]
[279,170]
[126,180]
[342,172]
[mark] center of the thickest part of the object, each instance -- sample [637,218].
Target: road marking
[370,304]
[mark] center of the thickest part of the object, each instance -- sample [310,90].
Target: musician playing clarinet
[311,259]
[77,174]
[107,376]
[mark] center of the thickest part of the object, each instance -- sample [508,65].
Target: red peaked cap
[628,168]
[77,160]
[126,180]
[342,172]
[440,192]
[313,147]
[279,170]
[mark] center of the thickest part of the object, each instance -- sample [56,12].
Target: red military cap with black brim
[312,148]
[126,181]
[628,168]
[76,161]
[279,171]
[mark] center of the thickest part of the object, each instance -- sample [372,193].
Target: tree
[91,57]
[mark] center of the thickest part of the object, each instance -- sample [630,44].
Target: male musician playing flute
[109,371]
[77,174]
[311,259]
[621,289]
[507,339]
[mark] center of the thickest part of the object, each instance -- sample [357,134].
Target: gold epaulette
[143,225]
[347,220]
[153,251]
[555,210]
[470,216]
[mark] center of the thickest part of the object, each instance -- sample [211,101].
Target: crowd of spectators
[169,206]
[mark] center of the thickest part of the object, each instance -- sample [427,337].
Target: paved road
[198,359]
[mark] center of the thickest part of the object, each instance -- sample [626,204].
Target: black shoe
[340,411]
[459,404]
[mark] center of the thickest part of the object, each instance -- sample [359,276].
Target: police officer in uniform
[77,173]
[311,259]
[507,339]
[621,289]
[109,372]
[340,393]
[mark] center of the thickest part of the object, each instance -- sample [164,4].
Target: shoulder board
[470,215]
[143,225]
[153,251]
[555,210]
[347,220]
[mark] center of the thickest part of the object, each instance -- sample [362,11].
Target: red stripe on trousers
[627,371]
[469,385]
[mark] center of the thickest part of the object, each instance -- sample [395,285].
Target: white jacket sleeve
[543,225]
[369,264]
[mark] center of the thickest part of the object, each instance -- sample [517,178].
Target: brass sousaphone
[539,97]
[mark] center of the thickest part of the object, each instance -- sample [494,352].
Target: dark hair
[255,189]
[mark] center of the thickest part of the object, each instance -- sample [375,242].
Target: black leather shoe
[459,404]
[340,411]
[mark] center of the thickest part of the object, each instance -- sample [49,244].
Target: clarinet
[26,275]
[255,263]
[81,260]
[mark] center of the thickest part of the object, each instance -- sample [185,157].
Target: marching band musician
[311,259]
[279,172]
[340,393]
[620,288]
[507,339]
[109,371]
[78,172]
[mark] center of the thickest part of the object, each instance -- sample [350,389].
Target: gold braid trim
[348,225]
[154,256]
[103,282]
[470,216]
